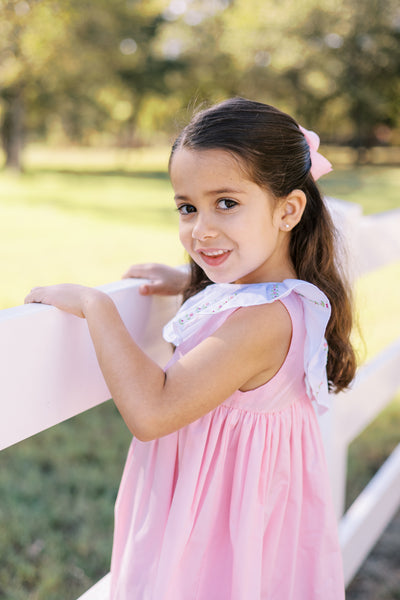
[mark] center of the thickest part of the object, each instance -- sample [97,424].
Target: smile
[214,257]
[213,252]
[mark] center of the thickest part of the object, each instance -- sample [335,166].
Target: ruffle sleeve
[225,296]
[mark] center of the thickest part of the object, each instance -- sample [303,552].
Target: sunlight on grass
[375,188]
[377,296]
[144,199]
[85,229]
[53,248]
[85,215]
[371,448]
[98,159]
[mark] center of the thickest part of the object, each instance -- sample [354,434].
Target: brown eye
[227,203]
[186,209]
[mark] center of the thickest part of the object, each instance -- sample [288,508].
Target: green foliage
[77,66]
[120,72]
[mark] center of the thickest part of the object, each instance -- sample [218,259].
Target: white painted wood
[99,591]
[346,217]
[378,240]
[48,367]
[370,241]
[370,513]
[374,387]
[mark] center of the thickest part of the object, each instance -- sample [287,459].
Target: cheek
[184,235]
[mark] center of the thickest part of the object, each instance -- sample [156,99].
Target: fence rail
[61,379]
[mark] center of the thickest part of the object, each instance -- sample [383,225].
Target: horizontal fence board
[378,242]
[369,514]
[370,242]
[48,367]
[375,386]
[100,590]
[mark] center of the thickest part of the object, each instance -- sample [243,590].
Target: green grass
[376,188]
[85,228]
[85,216]
[377,300]
[368,451]
[56,514]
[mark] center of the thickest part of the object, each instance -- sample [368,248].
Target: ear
[291,209]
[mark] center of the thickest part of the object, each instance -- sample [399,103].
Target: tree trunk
[12,131]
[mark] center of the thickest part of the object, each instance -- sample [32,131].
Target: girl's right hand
[163,280]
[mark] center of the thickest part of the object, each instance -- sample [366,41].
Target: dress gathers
[236,505]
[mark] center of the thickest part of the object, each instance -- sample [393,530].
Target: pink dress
[236,505]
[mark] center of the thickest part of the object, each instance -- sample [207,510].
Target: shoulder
[263,325]
[260,337]
[220,298]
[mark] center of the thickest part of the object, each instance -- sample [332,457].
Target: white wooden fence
[49,373]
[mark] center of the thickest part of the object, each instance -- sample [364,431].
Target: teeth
[214,252]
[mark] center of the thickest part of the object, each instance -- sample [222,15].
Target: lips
[214,256]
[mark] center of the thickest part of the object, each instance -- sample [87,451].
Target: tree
[120,67]
[336,66]
[369,78]
[78,62]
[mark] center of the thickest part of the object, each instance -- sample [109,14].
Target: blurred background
[122,73]
[92,93]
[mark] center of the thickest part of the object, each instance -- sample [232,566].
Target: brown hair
[276,156]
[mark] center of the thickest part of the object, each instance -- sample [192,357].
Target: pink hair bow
[319,164]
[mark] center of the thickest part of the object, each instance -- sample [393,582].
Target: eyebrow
[212,193]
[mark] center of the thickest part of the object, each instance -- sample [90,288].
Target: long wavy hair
[276,156]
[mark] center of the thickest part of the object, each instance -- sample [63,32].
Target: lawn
[82,225]
[84,216]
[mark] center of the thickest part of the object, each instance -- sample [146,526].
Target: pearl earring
[287,225]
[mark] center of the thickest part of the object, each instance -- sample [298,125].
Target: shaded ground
[379,577]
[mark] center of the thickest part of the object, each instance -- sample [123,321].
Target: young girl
[225,494]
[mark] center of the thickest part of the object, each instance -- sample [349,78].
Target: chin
[233,280]
[218,278]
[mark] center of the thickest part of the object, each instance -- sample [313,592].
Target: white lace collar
[219,297]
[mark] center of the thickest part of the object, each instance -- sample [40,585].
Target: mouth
[214,256]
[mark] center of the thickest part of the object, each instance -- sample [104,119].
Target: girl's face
[228,224]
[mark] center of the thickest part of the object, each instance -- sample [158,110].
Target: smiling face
[231,227]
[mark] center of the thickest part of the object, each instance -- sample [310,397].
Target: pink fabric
[319,164]
[219,297]
[235,506]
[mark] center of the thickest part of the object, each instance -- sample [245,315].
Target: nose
[204,227]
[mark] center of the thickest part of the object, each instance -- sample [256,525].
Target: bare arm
[250,346]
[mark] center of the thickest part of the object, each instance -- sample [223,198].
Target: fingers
[150,271]
[152,287]
[162,279]
[141,271]
[33,296]
[38,295]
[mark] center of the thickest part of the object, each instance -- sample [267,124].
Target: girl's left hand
[69,297]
